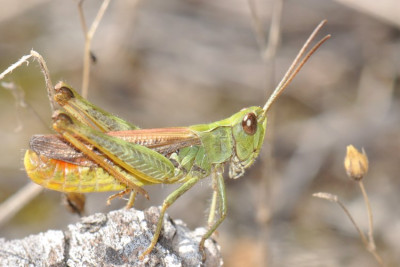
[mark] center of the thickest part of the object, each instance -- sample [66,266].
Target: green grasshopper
[94,151]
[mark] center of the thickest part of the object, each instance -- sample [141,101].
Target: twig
[257,26]
[45,70]
[16,202]
[88,41]
[335,199]
[371,242]
[274,31]
[370,246]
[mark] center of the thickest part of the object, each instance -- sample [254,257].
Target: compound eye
[249,123]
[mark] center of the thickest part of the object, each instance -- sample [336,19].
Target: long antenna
[296,65]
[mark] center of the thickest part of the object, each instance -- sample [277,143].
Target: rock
[113,239]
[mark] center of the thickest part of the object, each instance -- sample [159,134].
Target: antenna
[296,65]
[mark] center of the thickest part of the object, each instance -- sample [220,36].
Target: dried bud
[355,163]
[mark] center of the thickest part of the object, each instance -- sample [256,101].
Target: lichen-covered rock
[113,239]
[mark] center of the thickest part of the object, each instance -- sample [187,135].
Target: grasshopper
[94,151]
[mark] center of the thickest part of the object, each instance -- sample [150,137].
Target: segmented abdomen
[67,177]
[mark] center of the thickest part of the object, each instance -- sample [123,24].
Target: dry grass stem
[45,70]
[257,26]
[16,202]
[88,41]
[327,196]
[274,31]
[368,243]
[335,199]
[371,241]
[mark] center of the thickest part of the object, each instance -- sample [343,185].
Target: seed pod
[355,163]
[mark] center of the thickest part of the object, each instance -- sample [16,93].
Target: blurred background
[182,62]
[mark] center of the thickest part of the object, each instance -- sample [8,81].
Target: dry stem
[88,41]
[368,243]
[371,247]
[16,202]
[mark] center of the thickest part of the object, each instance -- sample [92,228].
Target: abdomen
[67,177]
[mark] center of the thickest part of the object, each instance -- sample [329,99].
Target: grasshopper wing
[143,162]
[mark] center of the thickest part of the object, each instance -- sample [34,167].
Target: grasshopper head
[248,132]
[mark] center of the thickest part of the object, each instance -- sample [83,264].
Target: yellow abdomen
[67,177]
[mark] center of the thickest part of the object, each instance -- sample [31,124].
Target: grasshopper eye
[249,123]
